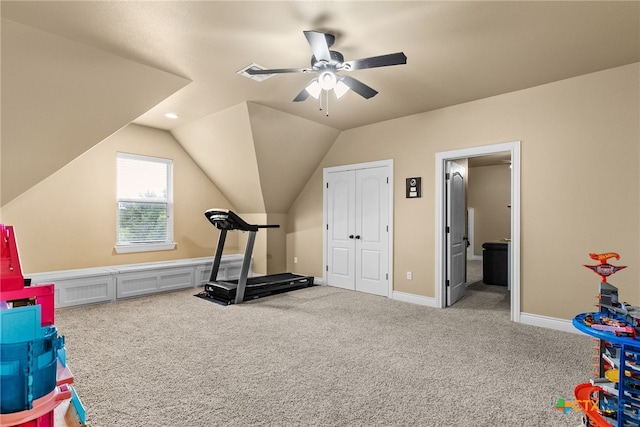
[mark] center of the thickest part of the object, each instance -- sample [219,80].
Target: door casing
[325,172]
[440,250]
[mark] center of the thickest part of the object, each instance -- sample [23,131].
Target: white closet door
[341,229]
[358,230]
[372,232]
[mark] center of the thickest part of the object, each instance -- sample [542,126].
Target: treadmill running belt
[257,286]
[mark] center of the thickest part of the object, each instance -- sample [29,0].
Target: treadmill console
[224,219]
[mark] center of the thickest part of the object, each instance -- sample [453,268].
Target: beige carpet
[320,356]
[474,271]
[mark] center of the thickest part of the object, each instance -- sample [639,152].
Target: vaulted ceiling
[74,73]
[263,160]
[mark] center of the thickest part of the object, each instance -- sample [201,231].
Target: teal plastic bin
[28,369]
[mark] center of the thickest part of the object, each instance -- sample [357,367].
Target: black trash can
[494,263]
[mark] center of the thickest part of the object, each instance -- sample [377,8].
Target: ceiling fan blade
[398,58]
[257,71]
[303,95]
[358,87]
[319,46]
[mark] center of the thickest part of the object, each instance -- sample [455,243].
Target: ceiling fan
[327,63]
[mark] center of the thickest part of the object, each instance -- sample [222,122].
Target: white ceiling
[74,72]
[457,51]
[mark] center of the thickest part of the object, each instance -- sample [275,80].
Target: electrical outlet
[295,259]
[409,275]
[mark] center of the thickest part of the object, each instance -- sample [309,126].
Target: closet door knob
[358,236]
[351,236]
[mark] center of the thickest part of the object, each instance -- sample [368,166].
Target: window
[144,203]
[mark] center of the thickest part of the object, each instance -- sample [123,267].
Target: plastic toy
[611,399]
[584,395]
[34,377]
[604,269]
[10,270]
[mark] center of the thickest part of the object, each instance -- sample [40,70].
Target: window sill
[145,247]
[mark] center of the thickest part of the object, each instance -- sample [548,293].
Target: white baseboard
[526,318]
[548,322]
[414,299]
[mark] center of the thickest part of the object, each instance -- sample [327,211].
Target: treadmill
[245,288]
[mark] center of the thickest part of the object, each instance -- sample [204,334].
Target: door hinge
[447,175]
[387,228]
[327,185]
[327,226]
[387,180]
[326,268]
[447,229]
[387,275]
[447,283]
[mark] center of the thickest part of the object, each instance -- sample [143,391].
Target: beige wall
[580,143]
[304,229]
[269,252]
[269,249]
[277,244]
[489,194]
[68,220]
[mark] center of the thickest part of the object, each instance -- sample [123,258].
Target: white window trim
[145,247]
[150,246]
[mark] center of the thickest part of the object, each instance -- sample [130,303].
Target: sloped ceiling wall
[288,150]
[222,145]
[53,112]
[258,156]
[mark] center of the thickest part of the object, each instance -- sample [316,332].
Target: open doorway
[512,150]
[488,231]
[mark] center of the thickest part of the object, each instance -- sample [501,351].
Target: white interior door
[358,229]
[456,241]
[341,229]
[372,231]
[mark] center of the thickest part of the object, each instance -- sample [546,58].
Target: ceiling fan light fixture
[340,89]
[314,89]
[327,80]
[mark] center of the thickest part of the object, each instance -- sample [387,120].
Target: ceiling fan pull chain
[327,102]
